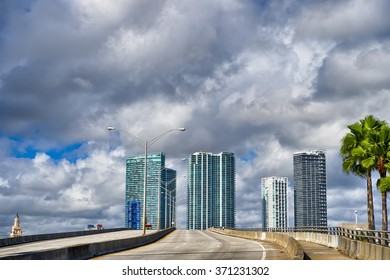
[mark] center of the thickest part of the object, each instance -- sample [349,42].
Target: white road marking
[264,251]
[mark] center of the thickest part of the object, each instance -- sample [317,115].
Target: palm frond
[383,184]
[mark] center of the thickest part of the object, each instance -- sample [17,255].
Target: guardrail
[371,236]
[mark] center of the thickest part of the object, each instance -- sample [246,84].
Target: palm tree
[378,145]
[353,161]
[373,152]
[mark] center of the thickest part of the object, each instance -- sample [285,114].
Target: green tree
[373,152]
[354,157]
[378,145]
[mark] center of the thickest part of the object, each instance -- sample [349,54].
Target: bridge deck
[313,251]
[65,242]
[202,245]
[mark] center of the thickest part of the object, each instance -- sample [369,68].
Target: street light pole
[146,144]
[167,192]
[169,212]
[172,207]
[145,178]
[159,194]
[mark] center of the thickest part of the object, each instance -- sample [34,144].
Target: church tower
[16,228]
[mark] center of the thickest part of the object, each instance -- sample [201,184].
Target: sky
[261,79]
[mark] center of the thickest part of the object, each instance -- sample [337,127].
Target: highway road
[201,245]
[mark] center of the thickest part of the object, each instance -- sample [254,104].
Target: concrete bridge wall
[353,248]
[332,241]
[50,236]
[363,250]
[87,251]
[292,247]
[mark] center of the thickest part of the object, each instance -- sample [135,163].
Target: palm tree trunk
[384,211]
[382,174]
[370,202]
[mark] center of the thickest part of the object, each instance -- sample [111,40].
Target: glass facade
[211,190]
[310,204]
[157,175]
[168,198]
[274,198]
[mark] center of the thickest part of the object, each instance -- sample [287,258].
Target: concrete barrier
[318,238]
[87,251]
[50,236]
[290,245]
[363,250]
[355,249]
[386,254]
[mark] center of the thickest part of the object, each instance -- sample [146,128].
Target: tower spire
[16,228]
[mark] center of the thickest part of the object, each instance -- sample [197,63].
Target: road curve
[202,245]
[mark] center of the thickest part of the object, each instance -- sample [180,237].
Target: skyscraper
[211,190]
[274,198]
[160,184]
[168,198]
[310,206]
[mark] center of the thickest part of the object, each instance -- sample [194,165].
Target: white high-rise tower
[274,198]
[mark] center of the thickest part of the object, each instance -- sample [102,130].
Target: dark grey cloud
[60,67]
[357,73]
[8,8]
[262,79]
[353,20]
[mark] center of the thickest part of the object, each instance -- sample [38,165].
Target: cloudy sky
[262,79]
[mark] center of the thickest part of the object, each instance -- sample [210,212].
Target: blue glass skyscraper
[156,191]
[168,198]
[211,190]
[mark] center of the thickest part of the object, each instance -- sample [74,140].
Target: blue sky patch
[250,156]
[24,148]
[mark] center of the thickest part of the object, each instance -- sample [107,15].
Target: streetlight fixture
[167,192]
[159,193]
[146,144]
[169,221]
[182,197]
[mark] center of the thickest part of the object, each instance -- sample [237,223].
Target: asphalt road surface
[202,245]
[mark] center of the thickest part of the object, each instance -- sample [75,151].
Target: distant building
[160,192]
[211,190]
[310,204]
[16,228]
[168,198]
[274,198]
[93,227]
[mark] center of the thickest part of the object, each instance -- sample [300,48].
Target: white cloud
[86,188]
[83,84]
[4,183]
[261,81]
